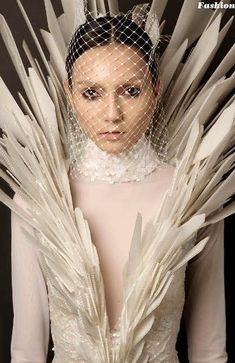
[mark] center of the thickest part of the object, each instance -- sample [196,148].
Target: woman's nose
[114,111]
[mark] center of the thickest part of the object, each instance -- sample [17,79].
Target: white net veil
[116,129]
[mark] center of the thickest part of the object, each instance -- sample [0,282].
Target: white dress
[117,204]
[76,237]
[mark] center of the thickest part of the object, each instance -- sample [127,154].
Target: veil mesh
[116,128]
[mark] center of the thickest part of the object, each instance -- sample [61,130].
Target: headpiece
[115,118]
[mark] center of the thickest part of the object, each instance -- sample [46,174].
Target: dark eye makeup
[132,91]
[93,94]
[90,93]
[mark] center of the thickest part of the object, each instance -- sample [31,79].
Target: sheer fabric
[117,205]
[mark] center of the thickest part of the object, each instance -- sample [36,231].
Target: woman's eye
[90,93]
[132,91]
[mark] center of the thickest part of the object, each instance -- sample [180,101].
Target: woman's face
[112,96]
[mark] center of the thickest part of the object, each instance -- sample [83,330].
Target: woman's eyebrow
[132,81]
[134,78]
[122,82]
[86,81]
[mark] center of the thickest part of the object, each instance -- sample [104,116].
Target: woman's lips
[112,135]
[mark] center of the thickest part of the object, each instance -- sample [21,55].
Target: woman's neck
[132,165]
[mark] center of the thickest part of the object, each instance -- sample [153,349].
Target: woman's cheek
[86,112]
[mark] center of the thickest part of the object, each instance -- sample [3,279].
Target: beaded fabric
[131,165]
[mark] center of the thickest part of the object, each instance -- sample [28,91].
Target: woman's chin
[113,147]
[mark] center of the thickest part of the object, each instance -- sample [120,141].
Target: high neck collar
[134,164]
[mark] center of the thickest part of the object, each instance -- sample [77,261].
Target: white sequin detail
[132,165]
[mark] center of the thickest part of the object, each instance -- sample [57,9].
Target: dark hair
[105,30]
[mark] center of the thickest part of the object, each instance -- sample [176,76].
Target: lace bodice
[159,342]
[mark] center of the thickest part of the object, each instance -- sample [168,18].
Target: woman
[116,289]
[113,93]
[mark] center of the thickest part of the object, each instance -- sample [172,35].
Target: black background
[35,10]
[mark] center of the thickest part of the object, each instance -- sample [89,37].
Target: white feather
[216,134]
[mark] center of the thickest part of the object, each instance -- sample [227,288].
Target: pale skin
[112,96]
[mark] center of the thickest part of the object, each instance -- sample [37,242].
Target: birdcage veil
[114,95]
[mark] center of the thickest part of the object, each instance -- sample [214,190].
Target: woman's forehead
[112,63]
